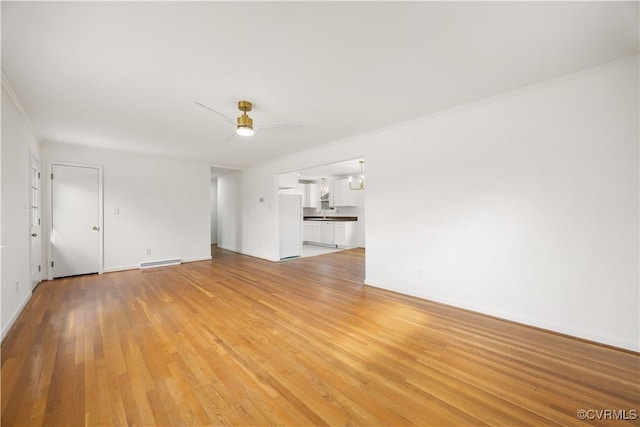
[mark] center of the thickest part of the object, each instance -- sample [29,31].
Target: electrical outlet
[147,251]
[420,274]
[17,286]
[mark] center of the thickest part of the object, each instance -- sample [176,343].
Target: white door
[35,254]
[75,220]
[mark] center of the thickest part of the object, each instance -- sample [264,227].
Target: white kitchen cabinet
[349,196]
[339,233]
[312,194]
[288,180]
[346,234]
[301,189]
[309,193]
[342,193]
[337,193]
[312,231]
[327,235]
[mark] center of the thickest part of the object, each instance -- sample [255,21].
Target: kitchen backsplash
[340,211]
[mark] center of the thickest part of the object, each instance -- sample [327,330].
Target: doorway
[76,220]
[35,242]
[333,191]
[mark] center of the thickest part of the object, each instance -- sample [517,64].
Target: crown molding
[16,101]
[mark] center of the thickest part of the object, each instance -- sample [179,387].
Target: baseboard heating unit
[162,263]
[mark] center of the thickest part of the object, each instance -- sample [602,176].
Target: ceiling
[125,75]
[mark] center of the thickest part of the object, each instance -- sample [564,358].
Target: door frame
[50,165]
[33,158]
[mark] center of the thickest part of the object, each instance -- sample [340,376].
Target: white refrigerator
[290,206]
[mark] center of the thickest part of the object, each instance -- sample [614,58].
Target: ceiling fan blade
[231,137]
[278,127]
[222,116]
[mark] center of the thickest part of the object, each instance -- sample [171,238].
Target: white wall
[164,205]
[229,212]
[18,141]
[526,207]
[247,214]
[522,206]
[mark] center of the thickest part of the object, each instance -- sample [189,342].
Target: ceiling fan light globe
[244,131]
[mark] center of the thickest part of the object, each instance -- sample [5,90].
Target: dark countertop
[330,218]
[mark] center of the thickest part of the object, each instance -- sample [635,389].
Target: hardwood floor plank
[243,341]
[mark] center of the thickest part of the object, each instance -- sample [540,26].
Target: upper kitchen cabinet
[288,180]
[309,192]
[342,193]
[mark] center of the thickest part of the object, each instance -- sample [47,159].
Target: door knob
[34,234]
[96,228]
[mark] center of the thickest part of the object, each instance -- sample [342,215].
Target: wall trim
[137,266]
[121,268]
[196,259]
[16,101]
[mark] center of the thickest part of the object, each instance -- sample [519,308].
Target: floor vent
[163,263]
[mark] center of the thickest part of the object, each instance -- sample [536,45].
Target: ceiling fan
[244,123]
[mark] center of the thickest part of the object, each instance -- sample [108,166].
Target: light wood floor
[241,341]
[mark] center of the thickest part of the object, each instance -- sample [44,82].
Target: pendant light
[360,185]
[323,190]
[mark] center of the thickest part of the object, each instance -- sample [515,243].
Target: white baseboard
[15,316]
[137,266]
[204,258]
[121,268]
